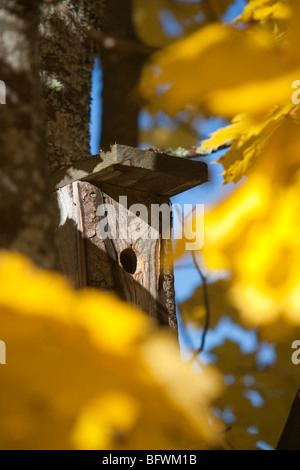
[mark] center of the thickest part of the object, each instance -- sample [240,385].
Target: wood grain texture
[108,264]
[144,170]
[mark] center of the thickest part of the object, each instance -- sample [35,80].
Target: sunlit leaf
[227,71]
[265,10]
[248,139]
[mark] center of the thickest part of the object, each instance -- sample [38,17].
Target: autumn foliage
[86,371]
[245,72]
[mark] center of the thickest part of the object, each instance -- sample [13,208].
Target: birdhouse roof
[145,170]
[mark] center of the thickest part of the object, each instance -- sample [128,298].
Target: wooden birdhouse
[112,224]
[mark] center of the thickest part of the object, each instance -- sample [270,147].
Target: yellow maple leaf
[248,138]
[255,233]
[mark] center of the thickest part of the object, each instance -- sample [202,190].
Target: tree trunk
[41,40]
[24,198]
[67,57]
[121,74]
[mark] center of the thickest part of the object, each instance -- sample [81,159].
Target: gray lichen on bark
[38,42]
[67,57]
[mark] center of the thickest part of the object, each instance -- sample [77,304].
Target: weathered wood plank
[69,235]
[131,264]
[144,170]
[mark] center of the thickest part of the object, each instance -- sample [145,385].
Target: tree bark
[42,127]
[24,199]
[121,74]
[67,58]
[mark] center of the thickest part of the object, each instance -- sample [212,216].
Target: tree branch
[195,151]
[106,41]
[207,309]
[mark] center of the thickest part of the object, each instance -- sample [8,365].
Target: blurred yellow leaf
[265,10]
[193,310]
[114,414]
[237,438]
[219,7]
[86,371]
[257,395]
[149,23]
[168,137]
[255,233]
[227,71]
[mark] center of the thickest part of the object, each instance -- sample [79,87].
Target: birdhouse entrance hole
[128,260]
